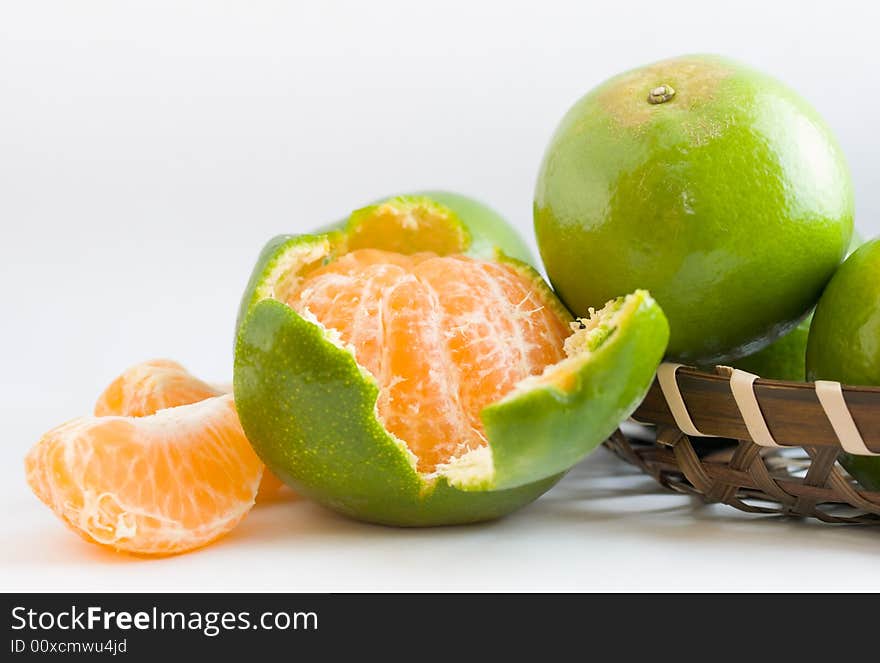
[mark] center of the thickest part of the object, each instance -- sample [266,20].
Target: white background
[147,150]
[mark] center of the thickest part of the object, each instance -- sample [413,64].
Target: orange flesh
[155,385]
[443,336]
[157,484]
[152,386]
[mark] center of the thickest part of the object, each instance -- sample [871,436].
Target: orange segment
[151,386]
[154,385]
[159,484]
[443,336]
[496,343]
[418,400]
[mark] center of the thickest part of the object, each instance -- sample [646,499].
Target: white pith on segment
[475,469]
[387,306]
[438,353]
[588,335]
[70,470]
[334,337]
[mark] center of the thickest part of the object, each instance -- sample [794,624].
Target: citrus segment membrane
[477,469]
[157,384]
[550,422]
[588,335]
[309,409]
[158,484]
[151,386]
[443,336]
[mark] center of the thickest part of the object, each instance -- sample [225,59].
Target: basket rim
[731,403]
[768,382]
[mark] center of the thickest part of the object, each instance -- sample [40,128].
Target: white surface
[604,527]
[147,152]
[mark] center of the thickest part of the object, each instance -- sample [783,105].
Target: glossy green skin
[309,412]
[733,210]
[547,430]
[785,358]
[844,342]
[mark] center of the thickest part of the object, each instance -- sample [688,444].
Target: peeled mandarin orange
[159,484]
[154,385]
[402,369]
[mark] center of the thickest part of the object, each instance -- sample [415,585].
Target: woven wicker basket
[762,446]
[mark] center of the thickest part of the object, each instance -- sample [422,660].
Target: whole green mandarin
[844,342]
[710,184]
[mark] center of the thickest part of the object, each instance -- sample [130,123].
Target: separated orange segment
[444,336]
[158,484]
[151,386]
[154,385]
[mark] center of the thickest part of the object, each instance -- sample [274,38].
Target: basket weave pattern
[799,477]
